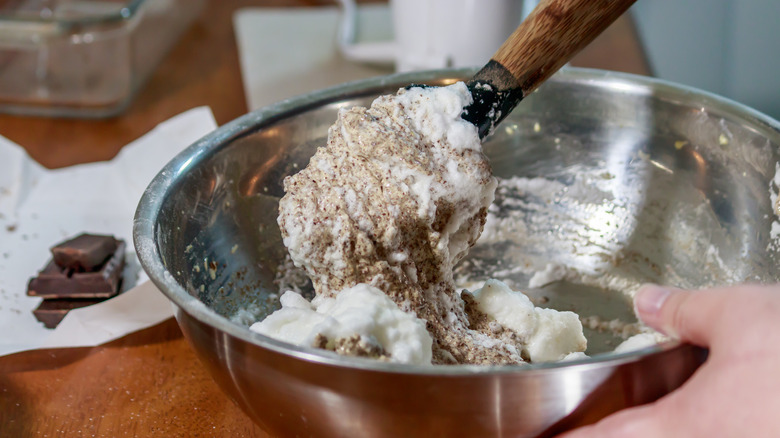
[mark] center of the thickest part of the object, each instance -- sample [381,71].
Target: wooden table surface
[150,383]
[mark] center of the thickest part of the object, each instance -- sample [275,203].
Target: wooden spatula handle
[553,33]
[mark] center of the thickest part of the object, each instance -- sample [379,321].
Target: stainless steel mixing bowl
[619,180]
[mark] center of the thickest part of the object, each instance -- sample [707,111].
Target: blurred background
[88,58]
[728,47]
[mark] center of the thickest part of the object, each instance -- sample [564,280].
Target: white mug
[436,33]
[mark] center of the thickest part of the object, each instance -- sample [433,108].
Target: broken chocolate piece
[51,312]
[57,282]
[85,252]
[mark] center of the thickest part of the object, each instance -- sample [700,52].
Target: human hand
[736,392]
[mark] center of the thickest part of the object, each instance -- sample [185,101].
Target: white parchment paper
[40,208]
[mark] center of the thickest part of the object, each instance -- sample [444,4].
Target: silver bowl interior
[646,181]
[652,183]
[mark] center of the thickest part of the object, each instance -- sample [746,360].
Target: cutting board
[288,52]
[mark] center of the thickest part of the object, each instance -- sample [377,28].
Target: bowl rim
[147,212]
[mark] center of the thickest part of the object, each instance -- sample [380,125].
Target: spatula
[548,38]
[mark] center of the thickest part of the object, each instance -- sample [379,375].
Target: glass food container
[83,58]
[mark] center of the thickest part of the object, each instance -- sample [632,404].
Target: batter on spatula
[396,197]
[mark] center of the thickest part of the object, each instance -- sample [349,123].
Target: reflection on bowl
[651,182]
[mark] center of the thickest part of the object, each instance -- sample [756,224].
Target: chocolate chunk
[85,252]
[51,312]
[57,282]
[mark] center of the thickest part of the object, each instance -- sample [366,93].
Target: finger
[691,316]
[639,422]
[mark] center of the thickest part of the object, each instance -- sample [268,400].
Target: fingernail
[649,299]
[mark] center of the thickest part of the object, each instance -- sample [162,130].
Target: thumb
[690,316]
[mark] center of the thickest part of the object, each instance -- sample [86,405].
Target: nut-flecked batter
[395,199]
